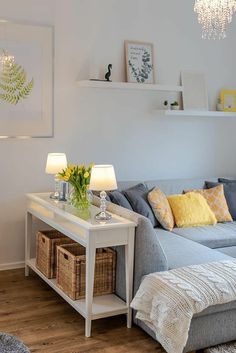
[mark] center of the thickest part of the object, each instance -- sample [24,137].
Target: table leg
[28,236]
[129,265]
[90,268]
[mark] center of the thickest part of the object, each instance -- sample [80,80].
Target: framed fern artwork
[26,80]
[139,62]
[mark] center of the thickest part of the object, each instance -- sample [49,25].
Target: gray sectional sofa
[160,250]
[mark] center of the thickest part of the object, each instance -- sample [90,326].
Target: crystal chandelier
[214,16]
[6,59]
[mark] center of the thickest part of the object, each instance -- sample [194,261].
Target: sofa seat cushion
[219,236]
[230,250]
[181,252]
[217,309]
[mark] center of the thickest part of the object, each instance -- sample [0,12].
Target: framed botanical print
[139,62]
[228,100]
[26,80]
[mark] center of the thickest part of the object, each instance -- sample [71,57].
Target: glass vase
[80,198]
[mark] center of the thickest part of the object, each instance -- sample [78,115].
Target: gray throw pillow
[137,197]
[230,195]
[119,199]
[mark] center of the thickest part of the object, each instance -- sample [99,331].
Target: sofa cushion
[161,208]
[222,235]
[191,210]
[230,195]
[230,251]
[118,198]
[137,197]
[223,180]
[216,200]
[181,252]
[176,186]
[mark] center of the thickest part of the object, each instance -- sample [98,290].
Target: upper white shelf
[130,86]
[197,113]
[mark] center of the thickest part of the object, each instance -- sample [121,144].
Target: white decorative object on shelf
[130,86]
[194,90]
[192,113]
[214,16]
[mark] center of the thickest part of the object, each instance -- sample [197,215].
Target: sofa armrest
[149,256]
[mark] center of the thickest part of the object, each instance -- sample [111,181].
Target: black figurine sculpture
[108,74]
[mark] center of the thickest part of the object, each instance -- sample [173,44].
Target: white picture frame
[31,47]
[195,95]
[139,62]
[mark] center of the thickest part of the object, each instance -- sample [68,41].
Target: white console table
[92,235]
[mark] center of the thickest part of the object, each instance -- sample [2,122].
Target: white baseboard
[12,266]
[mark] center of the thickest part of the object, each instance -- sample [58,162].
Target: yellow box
[228,100]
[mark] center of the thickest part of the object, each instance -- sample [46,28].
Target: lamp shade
[103,178]
[55,163]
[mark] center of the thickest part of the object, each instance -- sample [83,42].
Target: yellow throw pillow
[191,210]
[216,200]
[161,208]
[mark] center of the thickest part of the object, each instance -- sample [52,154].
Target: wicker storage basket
[46,254]
[71,271]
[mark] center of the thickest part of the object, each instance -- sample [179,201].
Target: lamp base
[54,195]
[103,216]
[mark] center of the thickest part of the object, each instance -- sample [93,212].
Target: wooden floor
[33,312]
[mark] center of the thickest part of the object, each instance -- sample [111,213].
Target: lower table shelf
[103,306]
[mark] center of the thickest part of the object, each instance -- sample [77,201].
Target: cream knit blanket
[167,301]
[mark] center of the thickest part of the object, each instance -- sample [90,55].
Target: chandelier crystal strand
[6,59]
[214,16]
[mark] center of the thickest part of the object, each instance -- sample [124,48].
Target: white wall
[117,126]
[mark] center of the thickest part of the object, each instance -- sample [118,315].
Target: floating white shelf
[197,113]
[130,86]
[103,306]
[161,88]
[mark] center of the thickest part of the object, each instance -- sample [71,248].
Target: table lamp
[55,163]
[103,179]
